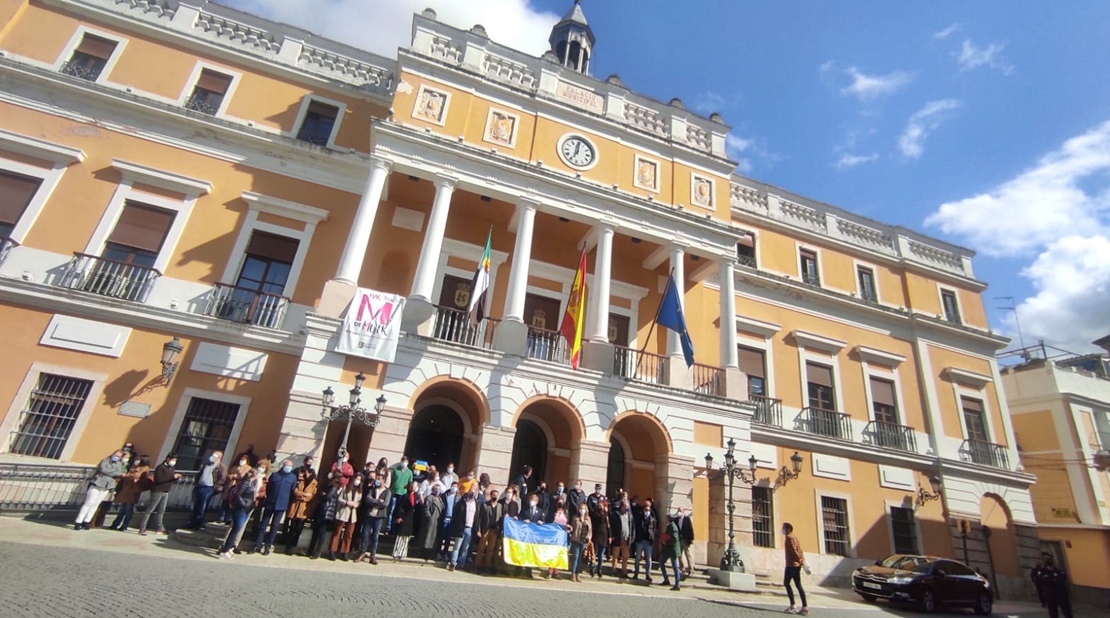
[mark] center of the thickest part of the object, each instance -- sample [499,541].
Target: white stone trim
[980,395]
[756,327]
[818,342]
[112,213]
[134,172]
[23,396]
[823,466]
[75,42]
[970,378]
[821,493]
[89,336]
[58,154]
[879,357]
[827,360]
[183,406]
[889,478]
[765,345]
[229,362]
[941,289]
[307,100]
[191,84]
[49,181]
[284,208]
[694,179]
[800,246]
[290,210]
[857,264]
[890,375]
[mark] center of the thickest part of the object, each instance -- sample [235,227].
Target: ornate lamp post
[170,351]
[924,496]
[731,560]
[352,410]
[786,474]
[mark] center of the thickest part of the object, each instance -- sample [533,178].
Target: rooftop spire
[572,40]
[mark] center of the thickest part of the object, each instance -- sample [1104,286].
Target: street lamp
[788,474]
[170,352]
[924,496]
[731,560]
[353,410]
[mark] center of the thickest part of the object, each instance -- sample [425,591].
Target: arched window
[614,478]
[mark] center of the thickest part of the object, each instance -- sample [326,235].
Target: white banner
[372,326]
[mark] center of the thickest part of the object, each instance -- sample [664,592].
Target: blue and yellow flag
[535,545]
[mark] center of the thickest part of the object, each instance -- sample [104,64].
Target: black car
[926,581]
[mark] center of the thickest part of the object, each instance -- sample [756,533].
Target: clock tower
[572,40]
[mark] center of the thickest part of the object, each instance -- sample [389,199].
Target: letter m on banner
[372,326]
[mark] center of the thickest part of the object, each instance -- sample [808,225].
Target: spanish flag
[575,318]
[534,545]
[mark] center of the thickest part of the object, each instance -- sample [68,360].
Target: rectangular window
[745,251]
[866,278]
[209,92]
[90,58]
[905,532]
[883,401]
[138,235]
[318,123]
[834,519]
[16,192]
[820,385]
[268,262]
[951,307]
[753,364]
[809,267]
[47,422]
[973,420]
[763,517]
[206,428]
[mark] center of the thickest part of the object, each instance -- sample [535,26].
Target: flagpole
[647,340]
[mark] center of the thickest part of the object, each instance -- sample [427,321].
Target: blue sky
[983,123]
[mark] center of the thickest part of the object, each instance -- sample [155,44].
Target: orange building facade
[193,172]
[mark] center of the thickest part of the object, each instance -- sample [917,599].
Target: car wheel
[928,602]
[984,604]
[870,598]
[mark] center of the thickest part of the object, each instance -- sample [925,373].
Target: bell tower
[572,40]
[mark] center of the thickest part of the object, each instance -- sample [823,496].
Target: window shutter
[142,227]
[213,81]
[273,247]
[882,392]
[323,109]
[96,47]
[819,374]
[15,193]
[751,363]
[972,405]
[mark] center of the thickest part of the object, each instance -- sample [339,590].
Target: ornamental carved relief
[701,191]
[647,174]
[501,128]
[431,105]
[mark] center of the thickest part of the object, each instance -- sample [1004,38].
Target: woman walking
[404,519]
[242,505]
[795,562]
[672,549]
[130,487]
[108,472]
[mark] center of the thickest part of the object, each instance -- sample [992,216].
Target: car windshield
[905,563]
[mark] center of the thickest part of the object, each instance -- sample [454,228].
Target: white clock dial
[577,152]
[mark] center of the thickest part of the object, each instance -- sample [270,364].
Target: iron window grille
[47,422]
[834,517]
[763,517]
[206,428]
[905,532]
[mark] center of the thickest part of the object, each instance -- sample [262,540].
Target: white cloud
[944,34]
[1059,211]
[922,123]
[826,66]
[388,25]
[865,87]
[1040,205]
[847,161]
[736,146]
[972,57]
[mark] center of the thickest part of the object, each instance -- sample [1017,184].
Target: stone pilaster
[674,483]
[589,461]
[302,429]
[495,454]
[678,375]
[598,356]
[391,434]
[736,384]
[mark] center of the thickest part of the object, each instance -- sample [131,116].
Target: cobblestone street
[62,573]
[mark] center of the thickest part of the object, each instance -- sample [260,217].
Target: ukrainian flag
[535,545]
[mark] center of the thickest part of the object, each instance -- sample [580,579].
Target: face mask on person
[261,471]
[562,489]
[450,469]
[470,477]
[287,469]
[454,488]
[784,531]
[243,462]
[533,503]
[578,487]
[172,462]
[114,458]
[404,464]
[581,511]
[358,482]
[211,459]
[377,483]
[678,515]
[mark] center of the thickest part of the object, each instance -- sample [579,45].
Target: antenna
[1012,306]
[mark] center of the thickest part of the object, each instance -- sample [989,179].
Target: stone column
[735,382]
[674,482]
[597,352]
[495,454]
[391,434]
[338,292]
[512,334]
[678,374]
[589,461]
[420,309]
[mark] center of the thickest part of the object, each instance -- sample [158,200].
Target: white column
[354,253]
[729,353]
[599,295]
[674,344]
[424,282]
[522,257]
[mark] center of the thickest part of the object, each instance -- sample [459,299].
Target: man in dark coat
[1035,577]
[593,501]
[686,539]
[644,525]
[279,493]
[164,477]
[576,497]
[522,480]
[1054,586]
[532,512]
[488,531]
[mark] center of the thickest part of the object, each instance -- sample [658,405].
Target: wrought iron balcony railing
[83,70]
[768,410]
[827,423]
[891,435]
[203,103]
[453,325]
[707,379]
[638,366]
[105,277]
[547,345]
[986,454]
[246,306]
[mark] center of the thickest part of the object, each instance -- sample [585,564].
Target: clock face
[577,152]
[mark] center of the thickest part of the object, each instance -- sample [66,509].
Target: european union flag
[670,316]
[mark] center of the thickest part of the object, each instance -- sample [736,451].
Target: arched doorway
[436,436]
[1001,541]
[529,449]
[646,441]
[615,472]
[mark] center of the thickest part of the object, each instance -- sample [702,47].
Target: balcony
[246,306]
[892,436]
[827,423]
[89,273]
[986,454]
[453,326]
[547,345]
[638,366]
[204,104]
[83,70]
[768,410]
[707,379]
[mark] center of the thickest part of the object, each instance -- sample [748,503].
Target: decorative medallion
[539,319]
[431,105]
[577,152]
[501,128]
[462,296]
[647,174]
[701,191]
